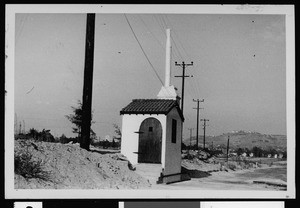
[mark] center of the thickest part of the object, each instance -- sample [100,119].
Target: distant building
[108,138]
[233,154]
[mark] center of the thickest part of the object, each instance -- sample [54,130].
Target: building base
[173,178]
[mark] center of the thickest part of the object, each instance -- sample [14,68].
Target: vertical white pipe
[168,59]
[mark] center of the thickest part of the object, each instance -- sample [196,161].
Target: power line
[162,29]
[143,51]
[18,35]
[164,23]
[161,45]
[176,36]
[181,56]
[159,23]
[180,43]
[151,32]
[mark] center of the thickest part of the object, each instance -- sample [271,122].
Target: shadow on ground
[105,151]
[195,173]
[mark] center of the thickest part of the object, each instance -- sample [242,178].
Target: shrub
[231,166]
[27,167]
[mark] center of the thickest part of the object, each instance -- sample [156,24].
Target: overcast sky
[239,68]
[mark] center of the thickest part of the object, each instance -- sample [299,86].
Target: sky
[239,69]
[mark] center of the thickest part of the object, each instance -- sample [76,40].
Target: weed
[28,167]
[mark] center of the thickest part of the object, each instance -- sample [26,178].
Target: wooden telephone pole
[88,83]
[227,147]
[183,65]
[198,108]
[204,127]
[191,129]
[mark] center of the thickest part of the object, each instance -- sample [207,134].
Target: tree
[46,136]
[118,132]
[76,119]
[258,152]
[113,145]
[239,151]
[63,139]
[33,133]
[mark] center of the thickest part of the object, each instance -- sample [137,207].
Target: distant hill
[243,139]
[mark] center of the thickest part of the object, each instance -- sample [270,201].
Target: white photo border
[12,10]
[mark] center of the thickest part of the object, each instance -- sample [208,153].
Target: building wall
[173,150]
[130,140]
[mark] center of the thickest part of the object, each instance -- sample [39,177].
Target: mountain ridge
[243,139]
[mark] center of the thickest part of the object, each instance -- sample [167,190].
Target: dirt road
[236,180]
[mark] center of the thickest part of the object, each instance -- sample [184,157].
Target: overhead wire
[173,52]
[159,23]
[160,44]
[164,26]
[144,51]
[193,81]
[179,41]
[163,31]
[163,21]
[192,90]
[22,24]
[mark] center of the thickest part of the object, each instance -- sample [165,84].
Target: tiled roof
[151,106]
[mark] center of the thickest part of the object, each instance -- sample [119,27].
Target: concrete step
[149,171]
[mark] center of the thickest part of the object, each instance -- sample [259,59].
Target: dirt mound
[69,166]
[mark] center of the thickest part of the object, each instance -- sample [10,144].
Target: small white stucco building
[151,133]
[152,129]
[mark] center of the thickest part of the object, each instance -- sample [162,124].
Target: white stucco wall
[130,140]
[173,150]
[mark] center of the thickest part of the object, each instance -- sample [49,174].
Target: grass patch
[29,167]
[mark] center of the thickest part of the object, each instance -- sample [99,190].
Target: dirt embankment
[69,166]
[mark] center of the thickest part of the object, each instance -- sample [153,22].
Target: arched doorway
[150,138]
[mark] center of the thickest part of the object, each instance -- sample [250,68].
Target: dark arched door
[150,141]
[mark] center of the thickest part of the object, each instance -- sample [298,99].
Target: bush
[27,167]
[231,166]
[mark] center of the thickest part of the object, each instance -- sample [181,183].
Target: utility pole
[20,128]
[191,129]
[183,65]
[23,127]
[204,126]
[198,108]
[88,83]
[227,147]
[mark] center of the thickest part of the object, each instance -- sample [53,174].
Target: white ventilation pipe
[168,59]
